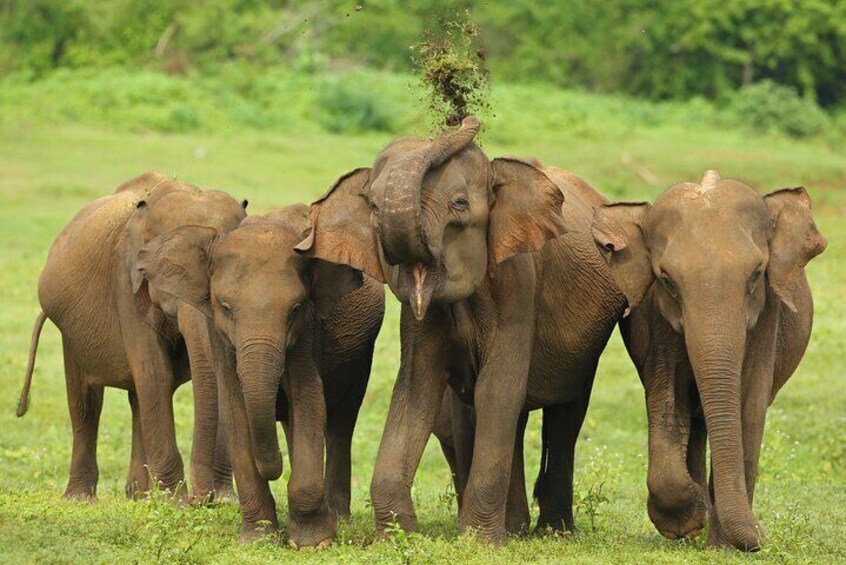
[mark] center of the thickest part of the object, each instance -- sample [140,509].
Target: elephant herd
[511,276]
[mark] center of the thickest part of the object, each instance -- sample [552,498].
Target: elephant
[119,331]
[497,301]
[294,340]
[721,317]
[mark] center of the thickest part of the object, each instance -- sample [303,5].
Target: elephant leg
[498,398]
[258,509]
[193,327]
[84,404]
[415,402]
[340,424]
[517,517]
[153,376]
[310,523]
[442,429]
[561,426]
[138,479]
[676,502]
[463,420]
[498,408]
[338,462]
[224,490]
[696,456]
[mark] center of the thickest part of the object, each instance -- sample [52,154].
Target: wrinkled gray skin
[119,331]
[722,314]
[288,348]
[510,323]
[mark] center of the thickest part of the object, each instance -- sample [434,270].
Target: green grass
[52,164]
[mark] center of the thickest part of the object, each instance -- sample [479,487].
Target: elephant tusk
[419,279]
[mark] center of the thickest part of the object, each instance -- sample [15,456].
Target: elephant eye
[373,206]
[669,285]
[460,203]
[226,308]
[756,275]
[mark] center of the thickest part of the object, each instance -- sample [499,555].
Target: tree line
[658,49]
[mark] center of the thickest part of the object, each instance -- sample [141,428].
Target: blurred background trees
[653,48]
[760,57]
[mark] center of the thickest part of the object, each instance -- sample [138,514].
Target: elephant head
[433,218]
[708,253]
[259,294]
[165,204]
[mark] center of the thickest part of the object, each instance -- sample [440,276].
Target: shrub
[767,106]
[347,104]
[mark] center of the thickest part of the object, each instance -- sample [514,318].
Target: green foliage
[237,97]
[767,106]
[661,50]
[349,104]
[714,46]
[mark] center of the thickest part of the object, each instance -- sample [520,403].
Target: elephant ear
[526,210]
[340,230]
[329,283]
[134,241]
[177,262]
[617,230]
[794,241]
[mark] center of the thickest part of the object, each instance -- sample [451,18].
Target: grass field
[50,165]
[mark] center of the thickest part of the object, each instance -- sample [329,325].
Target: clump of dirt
[453,71]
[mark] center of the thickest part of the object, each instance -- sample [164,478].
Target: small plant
[590,503]
[448,496]
[453,71]
[400,541]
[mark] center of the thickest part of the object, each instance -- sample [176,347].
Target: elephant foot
[316,529]
[254,532]
[340,507]
[83,494]
[225,496]
[556,525]
[517,525]
[135,489]
[322,545]
[680,519]
[747,538]
[224,489]
[493,535]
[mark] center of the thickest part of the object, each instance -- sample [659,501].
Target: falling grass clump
[453,72]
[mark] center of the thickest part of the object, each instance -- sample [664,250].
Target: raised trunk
[260,366]
[716,347]
[401,231]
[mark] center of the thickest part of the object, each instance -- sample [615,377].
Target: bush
[767,107]
[349,104]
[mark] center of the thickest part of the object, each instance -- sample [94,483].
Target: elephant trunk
[716,347]
[401,230]
[260,366]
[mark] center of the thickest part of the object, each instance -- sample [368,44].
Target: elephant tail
[541,483]
[33,348]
